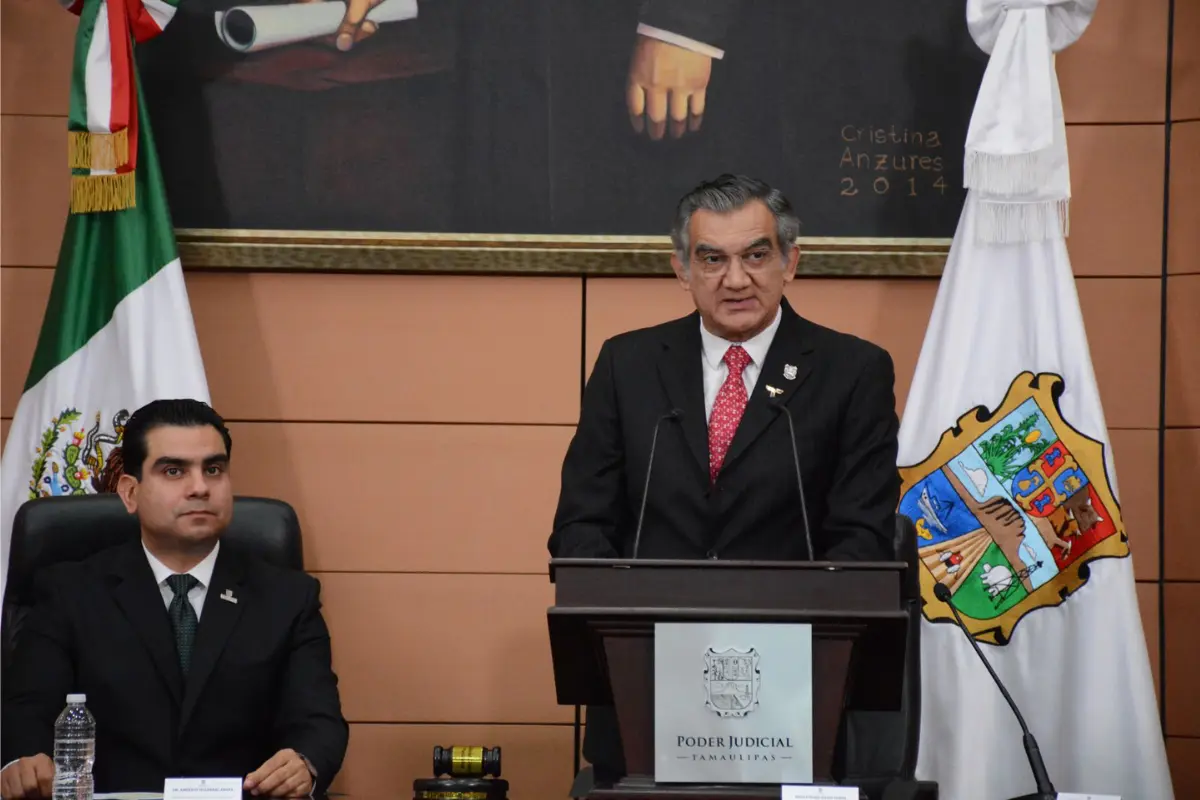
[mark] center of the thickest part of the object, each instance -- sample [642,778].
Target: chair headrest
[50,530]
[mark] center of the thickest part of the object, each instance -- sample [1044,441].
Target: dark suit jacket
[260,679]
[843,405]
[704,21]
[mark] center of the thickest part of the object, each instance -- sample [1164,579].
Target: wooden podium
[602,644]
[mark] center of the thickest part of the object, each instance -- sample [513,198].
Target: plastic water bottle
[74,750]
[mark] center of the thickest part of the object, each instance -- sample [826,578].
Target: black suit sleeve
[592,501]
[310,717]
[39,678]
[862,500]
[704,21]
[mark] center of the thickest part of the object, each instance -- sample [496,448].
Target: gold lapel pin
[771,390]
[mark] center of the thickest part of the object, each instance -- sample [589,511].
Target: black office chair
[884,744]
[50,530]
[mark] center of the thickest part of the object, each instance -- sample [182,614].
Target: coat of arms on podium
[731,681]
[1010,508]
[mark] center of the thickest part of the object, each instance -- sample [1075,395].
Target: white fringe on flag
[1008,222]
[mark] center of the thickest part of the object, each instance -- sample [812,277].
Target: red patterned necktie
[727,410]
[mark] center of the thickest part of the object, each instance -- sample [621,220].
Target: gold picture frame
[524,254]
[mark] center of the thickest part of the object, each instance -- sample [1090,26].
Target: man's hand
[284,775]
[28,777]
[666,80]
[354,26]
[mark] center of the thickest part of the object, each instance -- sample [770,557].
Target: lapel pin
[789,371]
[771,390]
[228,597]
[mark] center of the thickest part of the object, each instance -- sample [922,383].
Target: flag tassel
[102,192]
[1008,173]
[1009,222]
[103,151]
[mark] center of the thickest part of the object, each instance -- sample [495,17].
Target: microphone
[778,406]
[1045,789]
[674,413]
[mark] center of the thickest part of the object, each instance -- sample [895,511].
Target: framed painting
[555,136]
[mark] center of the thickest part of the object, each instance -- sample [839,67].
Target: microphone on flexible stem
[1045,789]
[799,480]
[674,413]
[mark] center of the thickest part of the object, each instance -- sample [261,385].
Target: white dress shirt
[680,41]
[715,368]
[201,572]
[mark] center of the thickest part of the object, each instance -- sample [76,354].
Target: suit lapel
[683,378]
[140,599]
[790,348]
[216,623]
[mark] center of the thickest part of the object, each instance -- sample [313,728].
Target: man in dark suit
[196,660]
[724,480]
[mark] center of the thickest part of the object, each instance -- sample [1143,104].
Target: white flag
[1008,473]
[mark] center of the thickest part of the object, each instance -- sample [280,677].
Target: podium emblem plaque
[733,703]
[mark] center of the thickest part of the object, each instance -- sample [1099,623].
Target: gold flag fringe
[87,150]
[102,192]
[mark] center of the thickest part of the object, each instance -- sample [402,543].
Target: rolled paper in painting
[249,29]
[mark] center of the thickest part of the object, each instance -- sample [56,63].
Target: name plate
[819,793]
[733,703]
[202,789]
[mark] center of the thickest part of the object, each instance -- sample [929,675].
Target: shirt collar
[201,572]
[756,347]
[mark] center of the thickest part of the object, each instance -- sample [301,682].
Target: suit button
[712,554]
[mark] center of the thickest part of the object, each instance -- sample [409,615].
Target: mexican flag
[1008,473]
[118,329]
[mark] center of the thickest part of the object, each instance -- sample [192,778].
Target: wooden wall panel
[34,192]
[1116,198]
[390,347]
[1147,594]
[1181,610]
[1116,72]
[383,760]
[23,295]
[1185,71]
[1181,523]
[442,648]
[1183,755]
[37,43]
[1123,328]
[1135,454]
[1183,232]
[1183,362]
[616,305]
[410,498]
[891,313]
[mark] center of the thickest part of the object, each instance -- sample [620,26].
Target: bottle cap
[77,698]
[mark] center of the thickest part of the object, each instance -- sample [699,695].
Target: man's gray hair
[729,193]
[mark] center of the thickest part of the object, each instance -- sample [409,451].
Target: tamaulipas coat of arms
[731,681]
[1009,508]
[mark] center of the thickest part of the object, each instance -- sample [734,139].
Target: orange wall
[425,468]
